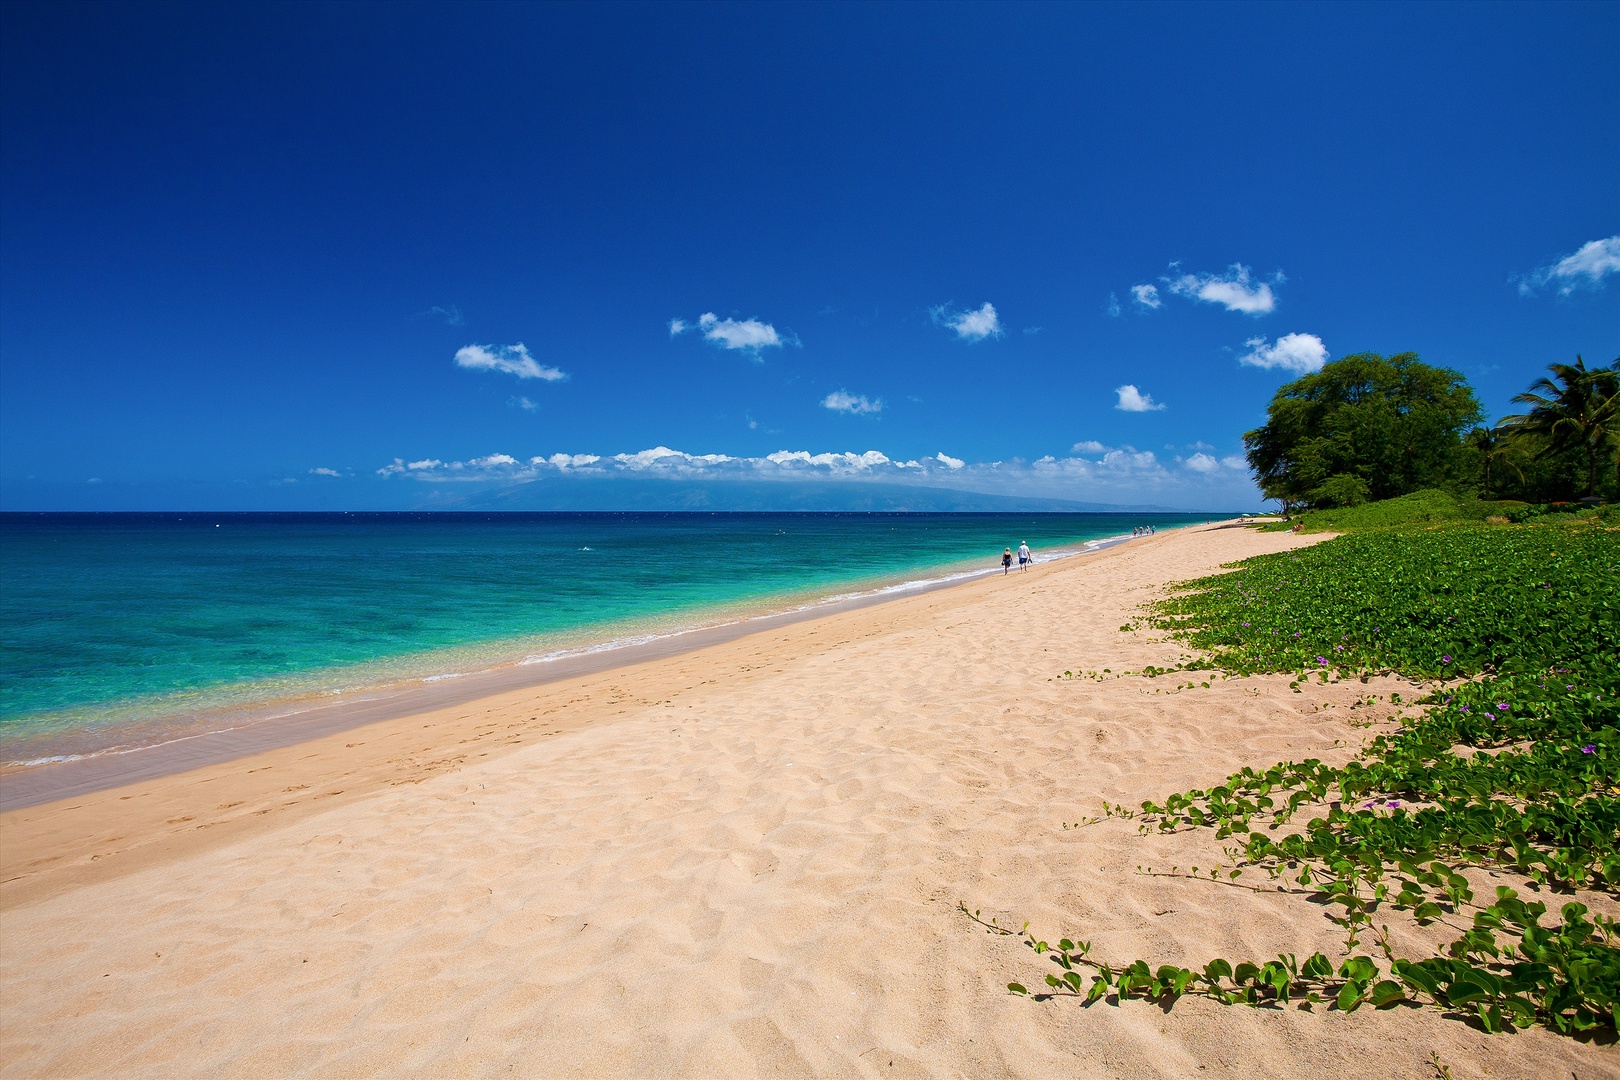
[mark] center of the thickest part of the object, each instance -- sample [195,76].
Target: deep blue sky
[239,243]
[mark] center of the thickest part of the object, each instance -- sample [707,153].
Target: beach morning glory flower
[1501,706]
[1322,660]
[1446,659]
[1589,748]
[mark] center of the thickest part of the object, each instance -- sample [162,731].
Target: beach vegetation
[1366,429]
[1503,779]
[1576,412]
[1363,428]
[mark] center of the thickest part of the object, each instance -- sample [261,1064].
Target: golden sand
[742,861]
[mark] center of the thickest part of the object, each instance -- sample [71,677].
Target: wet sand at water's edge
[744,860]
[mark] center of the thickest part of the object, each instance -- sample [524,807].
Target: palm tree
[1575,408]
[1496,447]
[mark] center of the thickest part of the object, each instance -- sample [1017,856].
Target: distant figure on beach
[1006,561]
[1024,557]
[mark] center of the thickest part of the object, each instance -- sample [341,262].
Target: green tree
[1363,428]
[1498,452]
[1578,409]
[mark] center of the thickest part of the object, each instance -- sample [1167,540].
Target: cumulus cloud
[567,461]
[951,463]
[1585,268]
[843,401]
[511,359]
[324,471]
[1089,446]
[1147,296]
[1208,465]
[1299,353]
[744,335]
[1133,400]
[969,325]
[1201,462]
[1234,290]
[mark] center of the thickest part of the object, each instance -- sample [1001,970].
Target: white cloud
[746,335]
[1133,400]
[523,403]
[1111,309]
[1202,462]
[969,325]
[678,327]
[843,401]
[1585,268]
[324,471]
[567,461]
[663,456]
[1299,353]
[512,359]
[1147,296]
[1233,290]
[1089,446]
[1120,475]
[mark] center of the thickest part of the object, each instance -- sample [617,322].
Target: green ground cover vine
[1513,767]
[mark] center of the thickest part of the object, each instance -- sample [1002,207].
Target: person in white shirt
[1024,557]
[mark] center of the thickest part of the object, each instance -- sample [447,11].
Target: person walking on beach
[1006,561]
[1024,557]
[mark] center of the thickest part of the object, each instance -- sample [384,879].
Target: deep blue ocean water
[109,620]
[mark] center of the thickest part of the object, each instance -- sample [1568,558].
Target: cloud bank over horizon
[1092,471]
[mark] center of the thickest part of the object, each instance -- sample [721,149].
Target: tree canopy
[1577,410]
[1363,428]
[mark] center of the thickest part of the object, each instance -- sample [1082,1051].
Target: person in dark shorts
[1006,561]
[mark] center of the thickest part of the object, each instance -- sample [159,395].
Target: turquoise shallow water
[112,620]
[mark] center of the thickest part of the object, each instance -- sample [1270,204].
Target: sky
[393,256]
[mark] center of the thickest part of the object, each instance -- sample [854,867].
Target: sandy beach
[741,861]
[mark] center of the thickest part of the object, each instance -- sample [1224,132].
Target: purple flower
[1296,633]
[1446,659]
[1464,708]
[1501,706]
[1245,624]
[1322,660]
[1589,748]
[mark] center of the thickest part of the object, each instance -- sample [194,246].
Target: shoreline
[229,734]
[749,859]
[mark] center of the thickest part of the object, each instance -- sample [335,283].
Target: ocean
[120,629]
